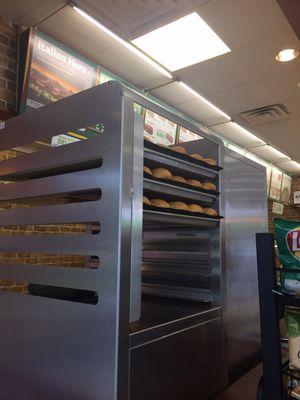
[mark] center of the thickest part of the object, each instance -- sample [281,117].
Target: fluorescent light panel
[187,87]
[186,41]
[123,42]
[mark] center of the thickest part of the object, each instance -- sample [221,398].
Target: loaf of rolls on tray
[176,204]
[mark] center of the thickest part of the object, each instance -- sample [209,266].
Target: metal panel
[181,365]
[54,348]
[61,158]
[246,214]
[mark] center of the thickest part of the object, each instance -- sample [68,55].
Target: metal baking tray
[171,256]
[180,162]
[177,292]
[162,186]
[171,217]
[175,236]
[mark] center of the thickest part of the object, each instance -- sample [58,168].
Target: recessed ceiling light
[287,55]
[186,41]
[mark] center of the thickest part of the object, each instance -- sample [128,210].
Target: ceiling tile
[172,94]
[261,55]
[246,97]
[122,62]
[70,28]
[241,22]
[290,166]
[237,135]
[201,112]
[219,73]
[284,135]
[293,105]
[186,102]
[29,12]
[133,18]
[285,85]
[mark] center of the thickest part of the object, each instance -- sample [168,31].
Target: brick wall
[8,68]
[290,212]
[8,79]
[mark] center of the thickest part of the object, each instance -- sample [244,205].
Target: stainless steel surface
[51,348]
[80,351]
[181,365]
[178,192]
[246,214]
[137,216]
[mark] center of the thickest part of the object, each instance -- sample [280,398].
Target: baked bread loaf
[162,173]
[160,203]
[210,211]
[179,179]
[195,208]
[197,156]
[194,182]
[146,201]
[147,170]
[209,186]
[179,149]
[210,161]
[179,205]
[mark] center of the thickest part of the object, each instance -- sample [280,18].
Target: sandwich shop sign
[49,72]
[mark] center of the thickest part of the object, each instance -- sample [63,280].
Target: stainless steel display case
[99,340]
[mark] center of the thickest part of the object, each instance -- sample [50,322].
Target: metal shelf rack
[273,301]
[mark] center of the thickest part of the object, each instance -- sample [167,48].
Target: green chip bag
[287,235]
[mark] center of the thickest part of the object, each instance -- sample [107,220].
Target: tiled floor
[243,389]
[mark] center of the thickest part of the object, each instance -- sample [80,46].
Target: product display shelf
[179,165]
[169,189]
[273,300]
[167,218]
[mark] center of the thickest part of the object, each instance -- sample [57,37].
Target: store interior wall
[290,211]
[8,68]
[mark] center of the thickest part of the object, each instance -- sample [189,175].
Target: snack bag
[287,235]
[292,320]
